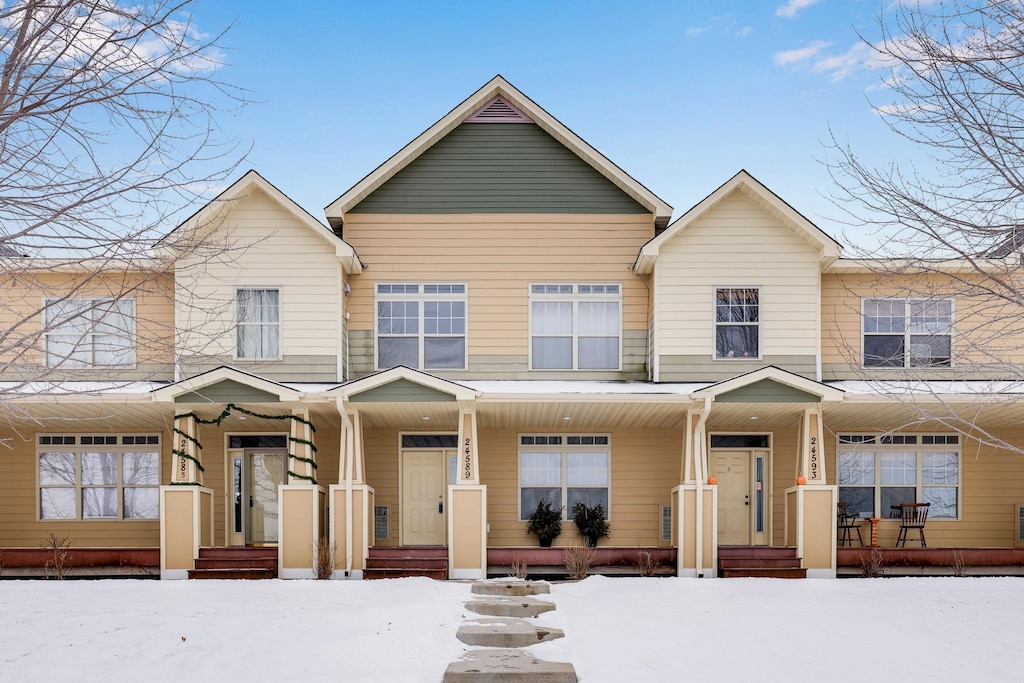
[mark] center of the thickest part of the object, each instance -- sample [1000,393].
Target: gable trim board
[497,86]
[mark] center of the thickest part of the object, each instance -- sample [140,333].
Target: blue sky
[680,94]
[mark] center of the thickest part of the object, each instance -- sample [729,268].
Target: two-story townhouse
[499,315]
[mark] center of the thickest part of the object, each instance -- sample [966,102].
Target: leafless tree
[952,221]
[108,126]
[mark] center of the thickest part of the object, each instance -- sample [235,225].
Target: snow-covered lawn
[946,629]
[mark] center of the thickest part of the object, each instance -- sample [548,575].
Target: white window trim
[78,449]
[917,448]
[715,324]
[906,333]
[133,338]
[575,298]
[279,323]
[562,448]
[421,297]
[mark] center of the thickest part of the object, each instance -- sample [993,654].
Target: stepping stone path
[507,606]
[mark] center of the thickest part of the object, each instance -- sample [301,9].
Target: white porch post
[811,507]
[351,500]
[301,502]
[186,507]
[467,505]
[695,502]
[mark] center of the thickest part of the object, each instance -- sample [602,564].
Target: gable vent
[498,110]
[666,522]
[380,522]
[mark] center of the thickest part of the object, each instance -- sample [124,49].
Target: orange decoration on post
[712,480]
[801,480]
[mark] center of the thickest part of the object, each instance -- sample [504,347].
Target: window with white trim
[908,333]
[564,469]
[737,322]
[258,323]
[89,332]
[421,326]
[876,473]
[86,477]
[575,326]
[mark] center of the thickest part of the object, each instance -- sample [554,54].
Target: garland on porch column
[232,408]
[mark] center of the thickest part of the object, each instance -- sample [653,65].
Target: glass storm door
[265,470]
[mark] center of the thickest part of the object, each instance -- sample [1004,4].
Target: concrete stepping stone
[505,632]
[524,607]
[507,666]
[511,588]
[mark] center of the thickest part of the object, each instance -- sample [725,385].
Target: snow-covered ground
[943,629]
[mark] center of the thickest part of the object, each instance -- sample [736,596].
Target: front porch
[861,562]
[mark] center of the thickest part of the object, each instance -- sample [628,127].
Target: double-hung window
[575,326]
[99,477]
[258,323]
[908,333]
[877,473]
[89,332]
[737,322]
[421,326]
[563,469]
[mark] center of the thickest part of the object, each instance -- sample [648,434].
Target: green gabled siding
[228,391]
[767,391]
[402,391]
[498,168]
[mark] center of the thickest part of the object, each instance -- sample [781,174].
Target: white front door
[733,471]
[423,497]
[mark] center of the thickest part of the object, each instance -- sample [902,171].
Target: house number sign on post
[182,464]
[467,459]
[814,458]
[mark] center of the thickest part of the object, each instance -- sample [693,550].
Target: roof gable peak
[498,110]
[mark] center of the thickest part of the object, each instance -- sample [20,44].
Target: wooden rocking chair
[914,515]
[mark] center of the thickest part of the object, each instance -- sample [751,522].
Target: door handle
[440,508]
[250,501]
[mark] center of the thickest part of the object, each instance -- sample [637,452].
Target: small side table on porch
[874,531]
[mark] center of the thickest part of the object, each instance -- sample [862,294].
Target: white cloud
[841,66]
[791,8]
[744,32]
[696,31]
[800,54]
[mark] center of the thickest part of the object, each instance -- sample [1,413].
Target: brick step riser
[764,573]
[749,552]
[369,574]
[238,553]
[405,563]
[232,574]
[216,563]
[407,553]
[759,562]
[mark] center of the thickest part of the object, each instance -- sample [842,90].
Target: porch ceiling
[608,414]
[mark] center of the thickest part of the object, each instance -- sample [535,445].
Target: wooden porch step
[406,563]
[410,551]
[236,563]
[238,553]
[763,572]
[403,572]
[729,551]
[232,573]
[760,562]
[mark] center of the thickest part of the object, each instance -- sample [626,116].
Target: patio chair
[913,516]
[847,525]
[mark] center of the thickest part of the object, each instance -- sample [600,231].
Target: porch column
[302,501]
[695,502]
[186,507]
[811,507]
[467,505]
[351,500]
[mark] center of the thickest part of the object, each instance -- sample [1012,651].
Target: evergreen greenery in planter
[545,522]
[591,522]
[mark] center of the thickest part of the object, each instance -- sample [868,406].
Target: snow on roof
[944,388]
[557,387]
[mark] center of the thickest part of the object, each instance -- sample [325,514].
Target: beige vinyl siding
[380,456]
[987,333]
[263,246]
[23,297]
[497,256]
[19,502]
[738,243]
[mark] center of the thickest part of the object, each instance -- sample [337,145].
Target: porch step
[402,561]
[235,563]
[757,561]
